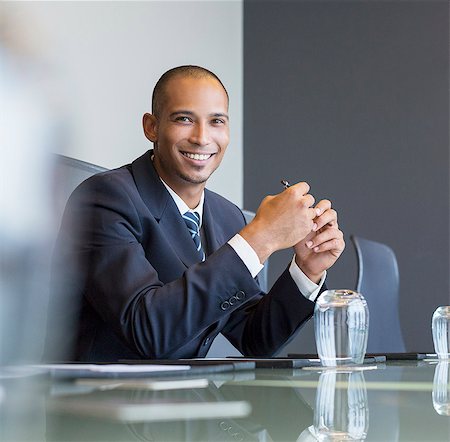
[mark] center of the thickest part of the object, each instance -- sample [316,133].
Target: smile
[198,156]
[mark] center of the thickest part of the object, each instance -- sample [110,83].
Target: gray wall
[353,98]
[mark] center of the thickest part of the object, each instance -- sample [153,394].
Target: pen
[285,183]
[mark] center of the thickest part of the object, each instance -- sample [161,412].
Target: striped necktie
[192,220]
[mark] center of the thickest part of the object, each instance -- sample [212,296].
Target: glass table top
[393,401]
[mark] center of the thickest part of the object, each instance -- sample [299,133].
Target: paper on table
[133,384]
[149,411]
[114,368]
[344,368]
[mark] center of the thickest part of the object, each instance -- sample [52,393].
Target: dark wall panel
[353,97]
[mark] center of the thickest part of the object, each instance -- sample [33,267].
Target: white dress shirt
[248,256]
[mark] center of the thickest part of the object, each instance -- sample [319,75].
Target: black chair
[378,281]
[70,172]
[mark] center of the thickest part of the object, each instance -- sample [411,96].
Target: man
[163,265]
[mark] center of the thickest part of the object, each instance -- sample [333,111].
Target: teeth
[197,156]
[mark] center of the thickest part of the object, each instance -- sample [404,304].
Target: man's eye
[218,121]
[183,119]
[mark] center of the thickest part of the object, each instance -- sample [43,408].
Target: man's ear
[150,124]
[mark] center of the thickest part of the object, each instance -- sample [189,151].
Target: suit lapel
[164,209]
[174,228]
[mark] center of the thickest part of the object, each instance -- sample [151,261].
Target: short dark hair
[182,71]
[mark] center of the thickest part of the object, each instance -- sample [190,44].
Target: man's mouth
[198,156]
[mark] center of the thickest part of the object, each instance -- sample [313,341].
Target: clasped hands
[290,219]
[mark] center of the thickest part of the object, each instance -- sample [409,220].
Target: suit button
[232,300]
[225,305]
[240,295]
[206,341]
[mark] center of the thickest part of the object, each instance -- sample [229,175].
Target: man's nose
[200,134]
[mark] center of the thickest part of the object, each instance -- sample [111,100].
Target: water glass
[440,326]
[341,325]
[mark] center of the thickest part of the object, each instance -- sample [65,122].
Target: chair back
[68,174]
[379,282]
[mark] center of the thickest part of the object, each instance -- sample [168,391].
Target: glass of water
[341,325]
[440,326]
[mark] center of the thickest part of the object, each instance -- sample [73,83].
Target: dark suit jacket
[128,256]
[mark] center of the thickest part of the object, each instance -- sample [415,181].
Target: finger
[322,206]
[334,245]
[323,237]
[329,217]
[299,189]
[307,201]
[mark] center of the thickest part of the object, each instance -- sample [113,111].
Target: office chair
[378,281]
[70,172]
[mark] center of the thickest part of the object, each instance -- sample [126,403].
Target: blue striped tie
[192,220]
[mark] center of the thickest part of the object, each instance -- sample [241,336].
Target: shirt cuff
[248,256]
[309,289]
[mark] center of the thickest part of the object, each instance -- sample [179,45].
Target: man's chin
[198,179]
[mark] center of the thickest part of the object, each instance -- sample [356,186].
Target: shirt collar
[182,206]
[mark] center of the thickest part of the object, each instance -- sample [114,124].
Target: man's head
[159,92]
[188,127]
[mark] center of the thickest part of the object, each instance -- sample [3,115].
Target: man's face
[191,133]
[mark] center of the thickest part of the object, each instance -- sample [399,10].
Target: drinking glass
[440,326]
[341,325]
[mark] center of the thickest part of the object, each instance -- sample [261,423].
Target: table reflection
[342,411]
[286,406]
[441,388]
[267,422]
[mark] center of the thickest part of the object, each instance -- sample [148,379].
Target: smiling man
[190,123]
[162,265]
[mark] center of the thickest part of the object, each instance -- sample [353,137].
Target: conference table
[394,400]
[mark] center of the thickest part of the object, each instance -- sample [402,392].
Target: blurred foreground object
[25,240]
[25,210]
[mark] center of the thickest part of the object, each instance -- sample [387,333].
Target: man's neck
[190,193]
[191,198]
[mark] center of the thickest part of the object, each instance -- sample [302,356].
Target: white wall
[105,57]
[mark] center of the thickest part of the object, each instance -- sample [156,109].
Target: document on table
[148,410]
[143,384]
[115,368]
[112,370]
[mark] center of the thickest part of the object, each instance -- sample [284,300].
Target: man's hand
[323,246]
[281,221]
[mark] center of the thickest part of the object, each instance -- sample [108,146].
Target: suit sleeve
[270,321]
